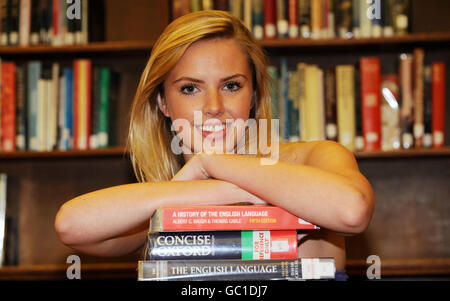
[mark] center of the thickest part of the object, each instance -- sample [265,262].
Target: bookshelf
[40,182]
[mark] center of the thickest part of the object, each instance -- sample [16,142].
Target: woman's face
[209,92]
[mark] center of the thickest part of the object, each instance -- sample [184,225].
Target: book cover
[8,107]
[293,269]
[390,117]
[370,71]
[345,92]
[438,103]
[215,218]
[245,245]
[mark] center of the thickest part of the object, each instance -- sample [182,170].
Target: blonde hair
[150,135]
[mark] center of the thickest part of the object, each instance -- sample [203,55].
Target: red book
[8,107]
[438,103]
[371,102]
[293,19]
[270,17]
[216,218]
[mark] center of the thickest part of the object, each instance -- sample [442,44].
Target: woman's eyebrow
[201,82]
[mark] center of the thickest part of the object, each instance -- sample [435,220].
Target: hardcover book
[245,245]
[294,269]
[216,218]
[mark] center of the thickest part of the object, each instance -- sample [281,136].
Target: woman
[205,74]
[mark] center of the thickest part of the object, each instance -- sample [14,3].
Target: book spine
[370,69]
[427,137]
[438,103]
[25,20]
[293,111]
[34,23]
[245,245]
[273,72]
[34,73]
[8,107]
[304,18]
[104,84]
[220,4]
[284,106]
[4,35]
[236,8]
[359,137]
[69,108]
[14,23]
[215,218]
[21,109]
[356,22]
[294,269]
[282,11]
[258,19]
[407,102]
[400,15]
[330,104]
[390,118]
[418,129]
[247,12]
[270,28]
[293,19]
[316,19]
[346,105]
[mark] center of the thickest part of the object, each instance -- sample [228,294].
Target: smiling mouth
[214,130]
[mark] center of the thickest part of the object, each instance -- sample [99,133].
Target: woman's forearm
[123,210]
[321,197]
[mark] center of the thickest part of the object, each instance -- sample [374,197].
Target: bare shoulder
[324,154]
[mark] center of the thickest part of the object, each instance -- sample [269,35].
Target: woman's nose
[213,105]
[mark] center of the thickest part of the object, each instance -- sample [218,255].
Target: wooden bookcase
[412,213]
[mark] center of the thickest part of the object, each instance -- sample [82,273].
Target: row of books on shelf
[46,107]
[240,242]
[51,22]
[359,106]
[316,19]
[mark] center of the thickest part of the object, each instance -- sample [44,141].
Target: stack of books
[228,243]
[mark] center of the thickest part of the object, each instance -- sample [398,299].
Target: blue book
[34,74]
[68,128]
[284,100]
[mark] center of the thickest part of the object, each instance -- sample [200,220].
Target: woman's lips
[214,131]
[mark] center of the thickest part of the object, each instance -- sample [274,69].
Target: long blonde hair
[150,135]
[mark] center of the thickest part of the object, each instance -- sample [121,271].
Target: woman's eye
[188,89]
[233,86]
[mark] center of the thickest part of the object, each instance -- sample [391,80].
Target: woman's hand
[192,170]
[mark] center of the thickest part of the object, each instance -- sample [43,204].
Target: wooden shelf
[423,38]
[58,271]
[121,152]
[145,46]
[404,153]
[128,271]
[106,152]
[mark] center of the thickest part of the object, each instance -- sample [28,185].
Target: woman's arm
[328,190]
[114,221]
